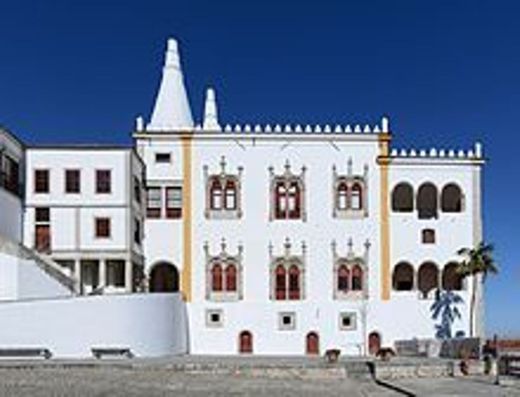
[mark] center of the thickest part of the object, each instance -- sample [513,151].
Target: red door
[313,343]
[374,343]
[245,342]
[42,238]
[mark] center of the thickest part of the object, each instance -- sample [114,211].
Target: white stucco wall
[71,327]
[10,215]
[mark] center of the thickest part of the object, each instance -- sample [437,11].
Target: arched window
[164,277]
[245,342]
[428,278]
[231,278]
[293,200]
[402,198]
[288,199]
[427,201]
[230,194]
[402,278]
[280,200]
[357,278]
[216,195]
[312,343]
[342,196]
[280,283]
[451,279]
[343,279]
[356,197]
[451,198]
[216,278]
[294,282]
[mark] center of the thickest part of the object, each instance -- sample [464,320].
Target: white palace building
[217,239]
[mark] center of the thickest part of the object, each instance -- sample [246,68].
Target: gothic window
[343,278]
[287,275]
[451,198]
[350,273]
[402,198]
[350,198]
[357,278]
[224,281]
[287,194]
[223,193]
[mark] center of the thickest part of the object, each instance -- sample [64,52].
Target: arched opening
[402,279]
[428,278]
[402,198]
[294,200]
[216,277]
[245,342]
[374,343]
[427,201]
[357,278]
[356,197]
[231,278]
[451,279]
[451,198]
[312,343]
[215,194]
[342,196]
[343,279]
[280,282]
[294,282]
[231,195]
[164,277]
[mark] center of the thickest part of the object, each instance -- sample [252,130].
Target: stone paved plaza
[159,379]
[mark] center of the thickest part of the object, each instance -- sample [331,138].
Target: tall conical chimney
[172,110]
[210,111]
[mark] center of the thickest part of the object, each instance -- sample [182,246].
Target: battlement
[472,154]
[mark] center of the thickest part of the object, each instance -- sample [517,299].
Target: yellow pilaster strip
[385,217]
[186,216]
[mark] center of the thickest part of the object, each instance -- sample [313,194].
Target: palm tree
[476,261]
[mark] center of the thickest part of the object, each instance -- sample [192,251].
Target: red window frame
[41,181]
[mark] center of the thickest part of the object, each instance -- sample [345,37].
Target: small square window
[286,321]
[428,236]
[214,318]
[347,321]
[163,158]
[42,214]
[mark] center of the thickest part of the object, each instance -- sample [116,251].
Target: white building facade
[280,240]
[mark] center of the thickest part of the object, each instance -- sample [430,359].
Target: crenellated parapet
[475,153]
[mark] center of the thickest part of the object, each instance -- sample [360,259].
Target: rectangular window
[153,202]
[103,181]
[102,227]
[137,189]
[174,202]
[214,318]
[42,238]
[137,231]
[11,175]
[115,273]
[41,181]
[163,158]
[42,214]
[72,181]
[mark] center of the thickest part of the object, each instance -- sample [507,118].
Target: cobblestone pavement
[150,382]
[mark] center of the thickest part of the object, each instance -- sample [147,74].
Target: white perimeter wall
[149,324]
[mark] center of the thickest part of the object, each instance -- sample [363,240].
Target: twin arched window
[349,196]
[349,278]
[288,198]
[224,277]
[223,194]
[288,281]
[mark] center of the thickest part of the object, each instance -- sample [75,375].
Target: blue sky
[446,72]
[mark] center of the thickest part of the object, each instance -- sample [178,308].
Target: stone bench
[99,352]
[25,352]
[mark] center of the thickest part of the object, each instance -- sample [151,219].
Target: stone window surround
[288,260]
[353,321]
[223,178]
[210,322]
[350,179]
[287,177]
[224,258]
[286,327]
[351,260]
